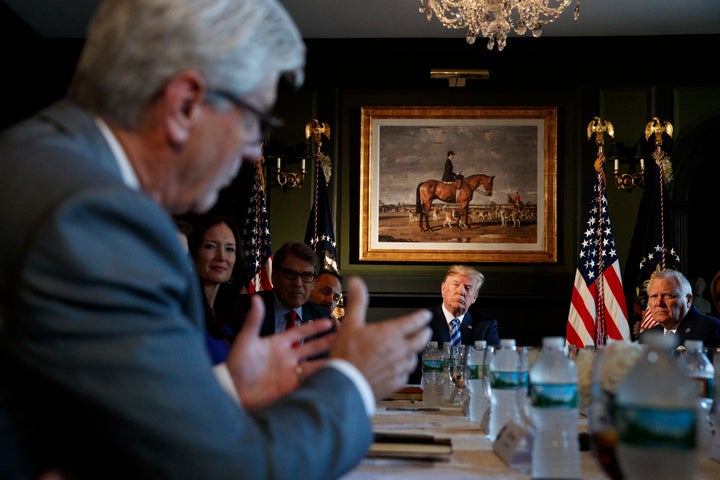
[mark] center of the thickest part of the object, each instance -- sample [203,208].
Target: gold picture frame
[404,147]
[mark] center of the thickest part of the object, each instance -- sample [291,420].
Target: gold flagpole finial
[657,127]
[599,127]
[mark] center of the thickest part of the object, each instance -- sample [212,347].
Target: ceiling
[401,19]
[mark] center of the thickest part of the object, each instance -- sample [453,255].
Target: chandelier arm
[495,19]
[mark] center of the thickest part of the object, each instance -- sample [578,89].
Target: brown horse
[459,192]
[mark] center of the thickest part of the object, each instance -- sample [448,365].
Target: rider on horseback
[448,174]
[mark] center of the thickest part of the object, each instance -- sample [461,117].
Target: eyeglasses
[268,121]
[292,275]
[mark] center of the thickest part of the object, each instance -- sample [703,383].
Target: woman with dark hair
[213,244]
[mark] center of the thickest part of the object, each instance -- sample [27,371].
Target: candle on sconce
[303,164]
[278,164]
[642,164]
[617,164]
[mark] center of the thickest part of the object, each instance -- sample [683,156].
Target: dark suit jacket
[310,311]
[695,326]
[475,326]
[103,364]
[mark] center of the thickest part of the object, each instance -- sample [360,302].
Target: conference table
[472,455]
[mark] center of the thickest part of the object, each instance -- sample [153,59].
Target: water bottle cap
[432,343]
[555,342]
[507,342]
[693,344]
[480,344]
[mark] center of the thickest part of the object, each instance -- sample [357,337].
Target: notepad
[409,392]
[410,446]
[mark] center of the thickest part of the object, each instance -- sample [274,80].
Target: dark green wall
[625,80]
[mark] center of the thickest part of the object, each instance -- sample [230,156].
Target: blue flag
[658,250]
[320,234]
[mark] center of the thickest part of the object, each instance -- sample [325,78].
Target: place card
[509,445]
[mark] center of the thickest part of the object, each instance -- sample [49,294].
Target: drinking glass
[457,364]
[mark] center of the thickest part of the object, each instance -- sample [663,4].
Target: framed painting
[499,205]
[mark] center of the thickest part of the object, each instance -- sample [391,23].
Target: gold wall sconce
[287,179]
[634,175]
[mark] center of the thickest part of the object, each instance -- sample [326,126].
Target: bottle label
[555,395]
[504,380]
[705,387]
[672,428]
[472,372]
[524,379]
[432,366]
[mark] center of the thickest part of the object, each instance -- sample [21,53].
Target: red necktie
[290,318]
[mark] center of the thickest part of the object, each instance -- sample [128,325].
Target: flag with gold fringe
[320,234]
[658,248]
[598,310]
[255,237]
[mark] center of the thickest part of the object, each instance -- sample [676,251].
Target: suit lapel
[466,330]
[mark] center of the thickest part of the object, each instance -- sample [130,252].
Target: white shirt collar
[449,316]
[126,170]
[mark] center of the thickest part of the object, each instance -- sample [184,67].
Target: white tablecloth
[472,457]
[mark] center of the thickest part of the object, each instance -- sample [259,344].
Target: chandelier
[494,19]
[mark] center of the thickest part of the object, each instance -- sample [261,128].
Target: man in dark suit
[104,371]
[295,268]
[670,298]
[459,290]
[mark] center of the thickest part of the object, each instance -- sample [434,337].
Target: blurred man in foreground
[104,369]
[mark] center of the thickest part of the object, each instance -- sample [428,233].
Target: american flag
[320,234]
[658,249]
[257,249]
[597,309]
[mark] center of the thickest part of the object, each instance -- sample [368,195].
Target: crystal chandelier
[494,19]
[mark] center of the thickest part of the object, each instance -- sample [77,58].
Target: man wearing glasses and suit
[295,268]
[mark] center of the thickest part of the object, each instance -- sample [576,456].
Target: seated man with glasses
[295,268]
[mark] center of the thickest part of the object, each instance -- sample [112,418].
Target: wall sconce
[634,157]
[289,180]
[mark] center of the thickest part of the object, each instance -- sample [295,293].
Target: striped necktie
[455,338]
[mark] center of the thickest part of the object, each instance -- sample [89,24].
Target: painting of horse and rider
[454,189]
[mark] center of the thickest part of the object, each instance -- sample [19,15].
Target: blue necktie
[455,338]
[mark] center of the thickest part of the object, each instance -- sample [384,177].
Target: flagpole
[657,128]
[599,243]
[320,233]
[597,309]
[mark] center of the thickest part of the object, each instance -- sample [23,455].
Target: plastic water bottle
[715,415]
[446,352]
[655,415]
[554,413]
[433,378]
[702,371]
[478,370]
[504,386]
